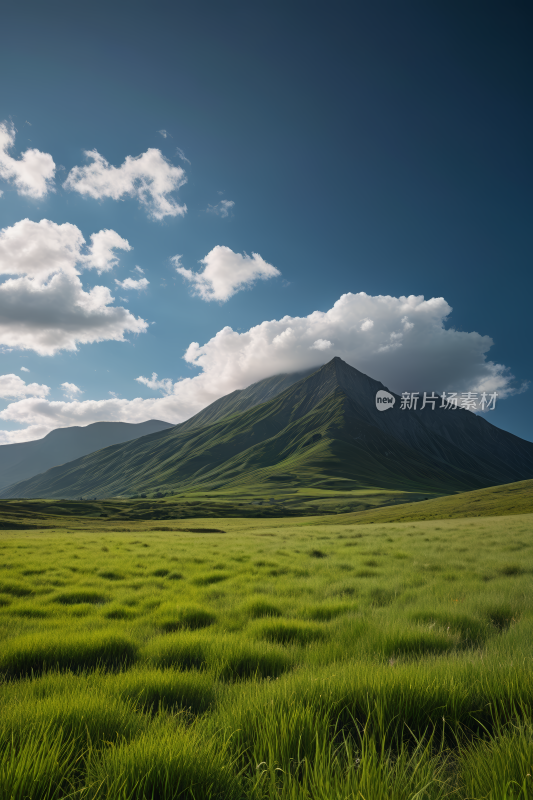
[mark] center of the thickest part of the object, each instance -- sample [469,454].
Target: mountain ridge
[22,460]
[323,427]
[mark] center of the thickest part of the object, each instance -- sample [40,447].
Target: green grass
[395,664]
[505,500]
[38,652]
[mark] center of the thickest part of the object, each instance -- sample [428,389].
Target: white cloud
[100,254]
[367,325]
[130,283]
[24,369]
[71,390]
[164,133]
[181,154]
[13,386]
[33,173]
[139,270]
[429,357]
[45,307]
[148,177]
[222,209]
[226,273]
[322,344]
[41,249]
[165,384]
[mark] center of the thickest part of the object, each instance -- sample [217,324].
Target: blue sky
[381,149]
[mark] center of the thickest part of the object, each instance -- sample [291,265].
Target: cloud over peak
[429,357]
[33,173]
[149,177]
[225,273]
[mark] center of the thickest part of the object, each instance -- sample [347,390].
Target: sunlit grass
[281,659]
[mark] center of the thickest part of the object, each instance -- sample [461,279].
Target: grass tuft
[285,632]
[73,597]
[36,653]
[171,762]
[260,608]
[192,617]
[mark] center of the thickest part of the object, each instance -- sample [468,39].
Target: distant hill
[19,462]
[323,430]
[23,460]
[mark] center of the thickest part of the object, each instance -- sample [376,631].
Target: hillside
[495,501]
[311,506]
[21,461]
[323,431]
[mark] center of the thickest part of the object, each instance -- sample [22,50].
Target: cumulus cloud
[130,283]
[24,369]
[149,177]
[139,270]
[71,390]
[221,209]
[430,357]
[45,307]
[100,254]
[41,249]
[13,386]
[165,384]
[225,273]
[322,344]
[33,173]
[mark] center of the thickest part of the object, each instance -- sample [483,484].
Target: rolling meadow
[300,659]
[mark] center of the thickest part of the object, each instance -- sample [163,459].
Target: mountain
[324,430]
[243,399]
[21,461]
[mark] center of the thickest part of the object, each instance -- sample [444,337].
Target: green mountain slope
[323,430]
[495,501]
[244,399]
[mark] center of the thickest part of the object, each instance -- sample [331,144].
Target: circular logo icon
[384,400]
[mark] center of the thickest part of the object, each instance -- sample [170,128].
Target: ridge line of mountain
[335,407]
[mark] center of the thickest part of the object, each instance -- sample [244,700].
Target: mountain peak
[356,384]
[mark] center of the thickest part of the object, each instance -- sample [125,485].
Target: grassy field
[280,501]
[359,505]
[305,658]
